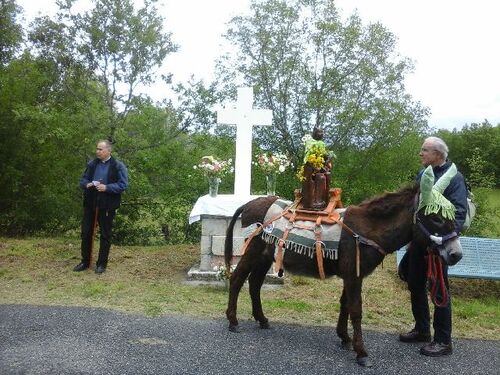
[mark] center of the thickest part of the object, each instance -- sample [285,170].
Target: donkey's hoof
[234,328]
[264,325]
[364,361]
[347,345]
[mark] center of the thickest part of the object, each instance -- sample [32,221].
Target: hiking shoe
[436,349]
[415,336]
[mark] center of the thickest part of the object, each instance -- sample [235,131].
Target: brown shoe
[415,336]
[436,349]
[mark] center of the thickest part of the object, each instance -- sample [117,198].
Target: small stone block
[213,226]
[206,245]
[218,245]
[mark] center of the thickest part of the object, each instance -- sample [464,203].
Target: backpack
[471,209]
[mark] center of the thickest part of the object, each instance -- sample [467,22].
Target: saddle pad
[300,240]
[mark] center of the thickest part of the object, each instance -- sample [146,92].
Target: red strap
[435,276]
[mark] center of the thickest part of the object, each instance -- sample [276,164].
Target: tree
[119,45]
[11,34]
[77,84]
[312,69]
[479,140]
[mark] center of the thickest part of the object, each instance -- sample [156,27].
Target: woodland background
[69,80]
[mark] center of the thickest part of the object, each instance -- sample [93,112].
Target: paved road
[69,340]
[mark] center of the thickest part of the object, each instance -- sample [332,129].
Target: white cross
[244,117]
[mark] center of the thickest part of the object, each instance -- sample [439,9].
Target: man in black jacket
[413,269]
[103,181]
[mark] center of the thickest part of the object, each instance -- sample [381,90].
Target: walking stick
[94,226]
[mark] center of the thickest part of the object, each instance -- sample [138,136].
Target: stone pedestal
[213,237]
[215,215]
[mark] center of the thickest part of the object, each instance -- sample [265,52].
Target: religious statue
[315,175]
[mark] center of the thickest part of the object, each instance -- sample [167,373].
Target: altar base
[215,215]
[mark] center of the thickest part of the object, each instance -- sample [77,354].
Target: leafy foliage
[11,33]
[480,142]
[78,79]
[313,69]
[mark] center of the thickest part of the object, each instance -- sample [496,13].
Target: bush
[155,223]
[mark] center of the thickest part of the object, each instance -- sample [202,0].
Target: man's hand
[101,188]
[89,185]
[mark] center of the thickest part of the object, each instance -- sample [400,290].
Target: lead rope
[319,253]
[435,278]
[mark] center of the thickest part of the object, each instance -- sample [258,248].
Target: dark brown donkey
[387,220]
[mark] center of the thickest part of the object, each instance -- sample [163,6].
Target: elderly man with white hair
[413,266]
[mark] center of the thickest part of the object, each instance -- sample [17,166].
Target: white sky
[454,44]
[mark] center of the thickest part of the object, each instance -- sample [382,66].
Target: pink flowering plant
[271,163]
[212,167]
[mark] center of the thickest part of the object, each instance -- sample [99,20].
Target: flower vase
[271,184]
[213,186]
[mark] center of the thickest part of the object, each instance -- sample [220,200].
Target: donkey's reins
[435,277]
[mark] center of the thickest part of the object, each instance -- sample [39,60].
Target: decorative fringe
[431,194]
[299,248]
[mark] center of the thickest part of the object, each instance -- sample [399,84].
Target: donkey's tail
[228,244]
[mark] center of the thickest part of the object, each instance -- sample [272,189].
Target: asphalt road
[70,340]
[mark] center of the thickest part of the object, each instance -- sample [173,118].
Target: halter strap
[438,240]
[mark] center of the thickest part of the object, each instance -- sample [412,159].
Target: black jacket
[108,199]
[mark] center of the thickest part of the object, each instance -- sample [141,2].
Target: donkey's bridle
[435,238]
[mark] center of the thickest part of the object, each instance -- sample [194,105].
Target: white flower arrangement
[272,163]
[212,167]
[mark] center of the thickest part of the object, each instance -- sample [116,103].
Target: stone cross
[244,117]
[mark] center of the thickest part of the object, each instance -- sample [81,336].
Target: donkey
[386,223]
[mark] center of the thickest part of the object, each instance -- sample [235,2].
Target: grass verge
[149,281]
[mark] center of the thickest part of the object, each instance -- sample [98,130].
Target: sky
[454,46]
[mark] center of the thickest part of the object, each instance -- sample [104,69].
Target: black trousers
[417,284]
[105,220]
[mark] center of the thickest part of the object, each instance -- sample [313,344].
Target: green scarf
[431,194]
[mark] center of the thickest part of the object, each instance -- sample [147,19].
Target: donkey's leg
[236,281]
[353,291]
[255,281]
[342,322]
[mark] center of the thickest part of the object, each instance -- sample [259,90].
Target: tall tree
[314,69]
[122,46]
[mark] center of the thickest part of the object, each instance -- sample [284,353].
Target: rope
[435,277]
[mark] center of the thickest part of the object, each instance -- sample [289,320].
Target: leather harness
[329,216]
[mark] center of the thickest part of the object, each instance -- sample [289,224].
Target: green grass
[494,202]
[150,281]
[494,197]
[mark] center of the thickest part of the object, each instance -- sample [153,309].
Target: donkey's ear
[426,184]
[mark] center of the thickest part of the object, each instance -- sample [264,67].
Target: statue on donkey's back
[316,172]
